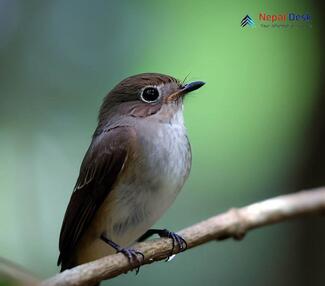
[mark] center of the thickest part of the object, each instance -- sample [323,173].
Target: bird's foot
[177,240]
[131,254]
[133,257]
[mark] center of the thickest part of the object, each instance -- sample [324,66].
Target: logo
[247,20]
[278,20]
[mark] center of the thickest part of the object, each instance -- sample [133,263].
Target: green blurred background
[254,128]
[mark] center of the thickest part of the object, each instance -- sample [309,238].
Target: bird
[138,161]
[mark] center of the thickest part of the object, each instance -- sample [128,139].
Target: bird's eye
[149,94]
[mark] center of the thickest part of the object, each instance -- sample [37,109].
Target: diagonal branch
[234,223]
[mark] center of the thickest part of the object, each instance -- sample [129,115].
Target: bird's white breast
[154,181]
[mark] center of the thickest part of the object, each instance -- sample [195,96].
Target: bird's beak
[185,89]
[192,86]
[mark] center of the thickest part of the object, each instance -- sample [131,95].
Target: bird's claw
[132,256]
[177,240]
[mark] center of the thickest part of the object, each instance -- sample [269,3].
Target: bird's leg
[130,253]
[176,239]
[147,234]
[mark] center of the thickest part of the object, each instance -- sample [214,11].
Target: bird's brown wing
[99,170]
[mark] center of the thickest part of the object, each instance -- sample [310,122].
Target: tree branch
[234,223]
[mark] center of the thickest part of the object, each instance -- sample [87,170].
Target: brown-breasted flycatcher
[137,162]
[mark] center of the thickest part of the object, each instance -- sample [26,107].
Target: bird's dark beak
[192,86]
[185,89]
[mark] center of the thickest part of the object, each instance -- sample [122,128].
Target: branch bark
[234,223]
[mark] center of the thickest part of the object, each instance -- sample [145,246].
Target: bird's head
[144,95]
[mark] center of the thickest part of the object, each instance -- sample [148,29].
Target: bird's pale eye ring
[150,94]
